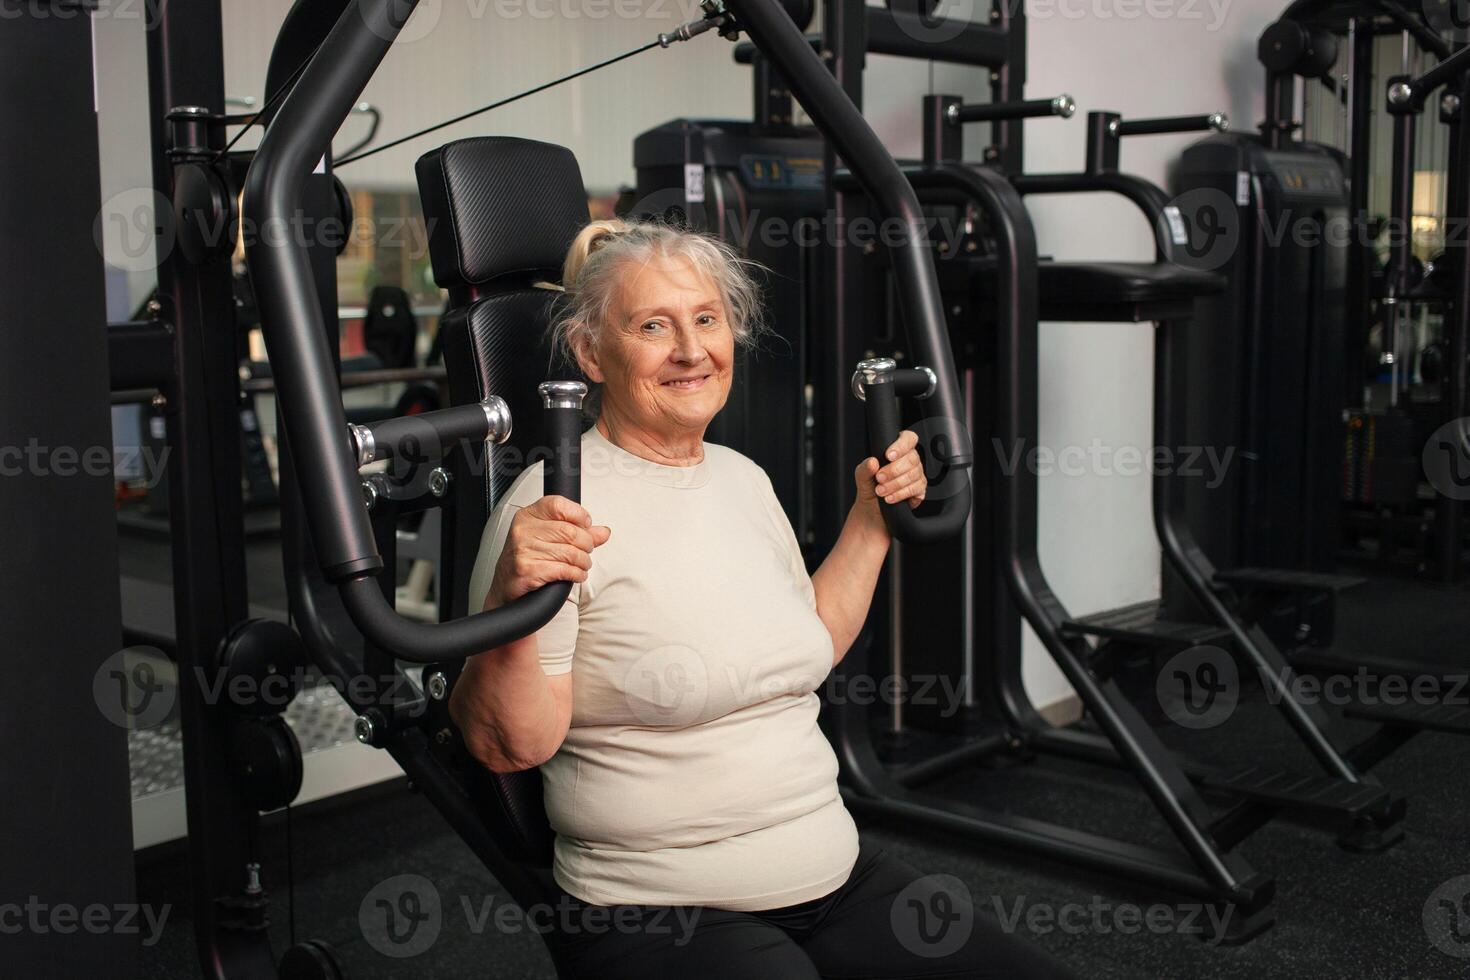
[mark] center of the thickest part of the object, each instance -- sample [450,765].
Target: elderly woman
[671,703]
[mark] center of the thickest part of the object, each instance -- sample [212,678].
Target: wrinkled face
[667,352]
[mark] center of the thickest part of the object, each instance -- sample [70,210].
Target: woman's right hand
[550,540]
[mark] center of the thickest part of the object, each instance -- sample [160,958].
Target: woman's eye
[707,320]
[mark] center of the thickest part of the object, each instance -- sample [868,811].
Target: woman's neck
[686,450]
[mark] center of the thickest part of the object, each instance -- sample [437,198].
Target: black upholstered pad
[1125,282]
[500,345]
[499,206]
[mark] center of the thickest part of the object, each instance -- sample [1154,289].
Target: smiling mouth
[686,384]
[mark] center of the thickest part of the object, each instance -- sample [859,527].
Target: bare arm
[845,581]
[513,715]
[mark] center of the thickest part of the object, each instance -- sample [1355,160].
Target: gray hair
[595,264]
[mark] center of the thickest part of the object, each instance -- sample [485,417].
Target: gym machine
[1293,344]
[241,759]
[1287,220]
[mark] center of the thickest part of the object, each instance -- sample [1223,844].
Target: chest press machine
[507,210]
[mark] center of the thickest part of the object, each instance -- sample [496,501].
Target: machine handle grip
[880,383]
[427,643]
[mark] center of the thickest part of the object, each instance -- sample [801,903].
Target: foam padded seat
[501,213]
[1114,291]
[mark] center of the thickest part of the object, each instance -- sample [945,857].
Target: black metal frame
[333,546]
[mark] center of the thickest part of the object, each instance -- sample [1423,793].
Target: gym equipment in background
[1375,318]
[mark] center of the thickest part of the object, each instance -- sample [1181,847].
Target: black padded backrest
[499,206]
[501,214]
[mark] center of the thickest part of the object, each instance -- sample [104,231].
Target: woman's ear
[587,359]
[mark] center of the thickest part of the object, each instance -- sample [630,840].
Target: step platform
[1287,580]
[1294,791]
[1141,623]
[1452,719]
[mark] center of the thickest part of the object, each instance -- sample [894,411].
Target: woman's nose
[689,346]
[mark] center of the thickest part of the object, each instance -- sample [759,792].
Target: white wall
[1140,58]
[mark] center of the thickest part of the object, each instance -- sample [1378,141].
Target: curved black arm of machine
[302,364]
[428,435]
[814,86]
[425,643]
[879,383]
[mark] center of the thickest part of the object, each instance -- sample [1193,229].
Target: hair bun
[586,242]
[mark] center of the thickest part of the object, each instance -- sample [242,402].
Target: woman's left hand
[900,477]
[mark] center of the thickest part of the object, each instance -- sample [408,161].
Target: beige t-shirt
[694,772]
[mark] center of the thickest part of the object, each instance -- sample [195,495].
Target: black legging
[887,921]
